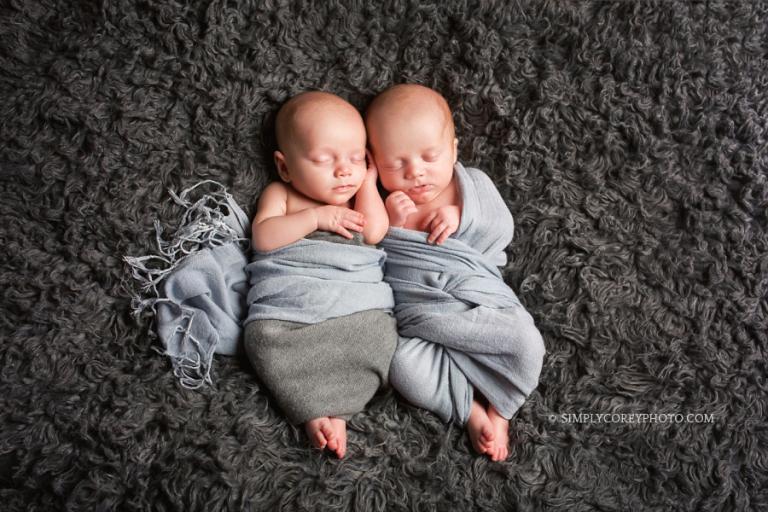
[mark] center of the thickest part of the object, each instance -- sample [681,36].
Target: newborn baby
[468,350]
[322,162]
[320,333]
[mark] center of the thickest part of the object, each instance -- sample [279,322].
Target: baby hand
[441,223]
[372,174]
[339,219]
[399,207]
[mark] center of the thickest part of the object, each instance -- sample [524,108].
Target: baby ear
[455,150]
[282,168]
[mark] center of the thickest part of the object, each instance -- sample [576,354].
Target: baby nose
[343,170]
[413,171]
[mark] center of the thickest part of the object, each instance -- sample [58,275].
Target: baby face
[414,147]
[323,149]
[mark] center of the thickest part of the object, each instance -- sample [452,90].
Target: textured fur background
[629,140]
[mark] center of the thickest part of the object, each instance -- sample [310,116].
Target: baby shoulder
[276,187]
[273,201]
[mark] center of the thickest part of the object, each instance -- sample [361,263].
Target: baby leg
[425,375]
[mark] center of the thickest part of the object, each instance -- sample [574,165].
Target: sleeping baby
[468,350]
[320,332]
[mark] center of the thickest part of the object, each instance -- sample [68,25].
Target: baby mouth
[343,188]
[420,189]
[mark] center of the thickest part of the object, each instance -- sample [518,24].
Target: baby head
[412,140]
[321,147]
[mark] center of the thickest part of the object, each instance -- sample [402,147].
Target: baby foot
[500,451]
[481,431]
[322,433]
[340,428]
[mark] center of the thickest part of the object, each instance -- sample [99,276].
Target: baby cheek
[446,170]
[388,181]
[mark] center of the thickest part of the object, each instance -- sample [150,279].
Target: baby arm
[273,227]
[368,202]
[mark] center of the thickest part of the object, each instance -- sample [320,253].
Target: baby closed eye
[393,166]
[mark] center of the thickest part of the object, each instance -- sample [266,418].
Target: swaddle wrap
[320,333]
[319,277]
[461,326]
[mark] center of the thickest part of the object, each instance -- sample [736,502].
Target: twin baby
[460,344]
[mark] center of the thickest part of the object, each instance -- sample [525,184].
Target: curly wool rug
[628,139]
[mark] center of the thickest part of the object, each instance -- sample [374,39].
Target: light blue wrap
[313,280]
[461,327]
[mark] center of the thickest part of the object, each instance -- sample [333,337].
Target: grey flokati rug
[628,139]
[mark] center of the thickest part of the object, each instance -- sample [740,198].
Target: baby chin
[341,195]
[421,194]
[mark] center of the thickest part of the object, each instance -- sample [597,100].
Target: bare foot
[340,427]
[500,451]
[481,431]
[322,433]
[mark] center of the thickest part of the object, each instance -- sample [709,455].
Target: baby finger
[355,216]
[428,220]
[355,226]
[448,231]
[436,232]
[343,232]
